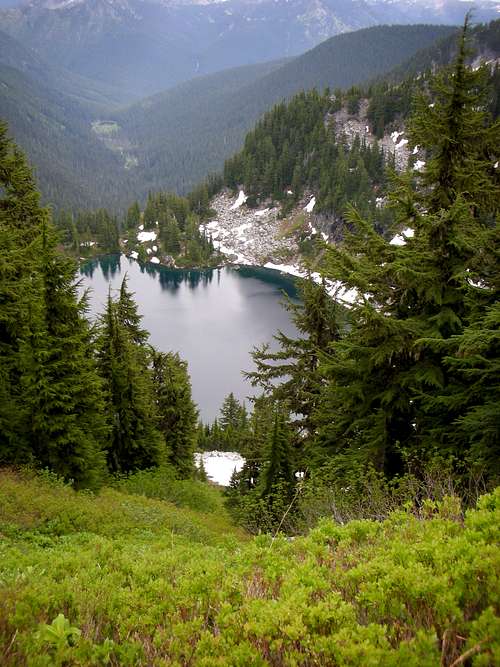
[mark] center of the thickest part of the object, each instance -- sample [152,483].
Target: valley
[175,138]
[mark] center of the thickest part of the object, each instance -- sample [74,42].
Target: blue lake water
[213,318]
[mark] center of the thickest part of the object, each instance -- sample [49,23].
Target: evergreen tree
[291,374]
[278,470]
[135,443]
[21,218]
[233,423]
[475,361]
[462,141]
[128,315]
[386,377]
[51,401]
[177,414]
[62,393]
[133,219]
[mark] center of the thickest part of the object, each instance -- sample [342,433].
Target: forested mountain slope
[181,135]
[49,111]
[87,154]
[300,145]
[91,94]
[74,169]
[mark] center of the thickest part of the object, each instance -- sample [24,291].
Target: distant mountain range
[144,46]
[88,153]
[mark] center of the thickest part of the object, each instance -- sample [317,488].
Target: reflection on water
[109,265]
[212,317]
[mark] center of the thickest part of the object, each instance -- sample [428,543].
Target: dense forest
[198,125]
[171,223]
[293,149]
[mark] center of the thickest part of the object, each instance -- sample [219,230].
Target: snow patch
[143,237]
[220,466]
[292,269]
[154,260]
[310,206]
[263,212]
[134,254]
[400,239]
[241,200]
[395,136]
[419,165]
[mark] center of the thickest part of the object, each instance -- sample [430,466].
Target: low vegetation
[119,579]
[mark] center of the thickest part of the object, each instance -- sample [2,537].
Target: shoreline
[291,271]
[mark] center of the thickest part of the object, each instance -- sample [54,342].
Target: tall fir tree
[278,470]
[290,375]
[135,443]
[51,407]
[128,315]
[21,219]
[177,413]
[384,379]
[62,392]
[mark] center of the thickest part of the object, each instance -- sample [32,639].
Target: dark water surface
[213,318]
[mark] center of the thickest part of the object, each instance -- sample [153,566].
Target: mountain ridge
[146,46]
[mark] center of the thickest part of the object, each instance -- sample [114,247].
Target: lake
[211,317]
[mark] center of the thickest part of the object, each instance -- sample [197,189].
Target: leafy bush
[161,483]
[418,590]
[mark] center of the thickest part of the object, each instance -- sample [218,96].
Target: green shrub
[161,483]
[419,588]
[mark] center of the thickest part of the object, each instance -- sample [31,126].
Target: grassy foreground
[120,579]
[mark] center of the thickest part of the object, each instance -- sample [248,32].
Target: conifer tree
[133,219]
[386,376]
[277,476]
[233,423]
[128,315]
[290,375]
[62,393]
[177,414]
[135,443]
[21,218]
[51,407]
